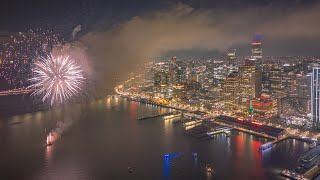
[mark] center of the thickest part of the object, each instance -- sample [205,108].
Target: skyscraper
[247,84]
[173,70]
[303,90]
[315,93]
[231,58]
[231,91]
[256,50]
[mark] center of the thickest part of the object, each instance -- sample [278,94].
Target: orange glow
[256,43]
[257,123]
[240,119]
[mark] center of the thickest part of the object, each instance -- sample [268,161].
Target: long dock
[244,130]
[158,115]
[292,137]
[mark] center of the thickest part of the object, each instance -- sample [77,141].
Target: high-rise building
[173,70]
[256,50]
[247,83]
[288,79]
[315,94]
[231,91]
[162,84]
[303,90]
[303,86]
[258,82]
[275,81]
[231,58]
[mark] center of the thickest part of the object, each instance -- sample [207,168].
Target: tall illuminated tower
[315,94]
[256,50]
[247,83]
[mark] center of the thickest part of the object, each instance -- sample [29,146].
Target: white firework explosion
[56,78]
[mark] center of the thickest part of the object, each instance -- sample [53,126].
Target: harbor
[308,167]
[196,127]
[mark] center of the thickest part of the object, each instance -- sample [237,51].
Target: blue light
[166,167]
[257,37]
[195,155]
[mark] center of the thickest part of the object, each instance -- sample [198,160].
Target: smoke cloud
[116,51]
[75,31]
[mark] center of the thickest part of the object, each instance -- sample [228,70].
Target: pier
[245,130]
[306,140]
[251,127]
[159,115]
[205,131]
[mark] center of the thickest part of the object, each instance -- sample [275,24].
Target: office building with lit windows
[315,93]
[231,91]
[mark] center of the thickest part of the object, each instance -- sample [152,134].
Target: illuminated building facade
[179,91]
[274,77]
[231,58]
[303,90]
[315,94]
[262,104]
[231,91]
[303,85]
[162,84]
[247,83]
[173,70]
[288,79]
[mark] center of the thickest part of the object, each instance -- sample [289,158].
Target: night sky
[240,19]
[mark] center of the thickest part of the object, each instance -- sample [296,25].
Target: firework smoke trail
[75,31]
[56,78]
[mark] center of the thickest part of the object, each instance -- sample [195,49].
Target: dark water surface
[106,137]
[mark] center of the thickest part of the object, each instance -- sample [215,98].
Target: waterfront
[106,137]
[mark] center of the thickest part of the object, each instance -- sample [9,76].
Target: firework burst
[56,78]
[20,50]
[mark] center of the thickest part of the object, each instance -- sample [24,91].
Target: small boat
[130,169]
[208,168]
[195,155]
[49,140]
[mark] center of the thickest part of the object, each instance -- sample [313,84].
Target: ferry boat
[130,169]
[228,133]
[265,146]
[49,139]
[209,169]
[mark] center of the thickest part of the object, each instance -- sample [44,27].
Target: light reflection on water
[106,136]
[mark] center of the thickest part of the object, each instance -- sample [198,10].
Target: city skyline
[159,89]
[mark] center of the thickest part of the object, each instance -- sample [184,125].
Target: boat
[49,139]
[209,169]
[195,155]
[130,169]
[228,134]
